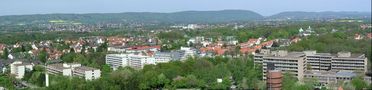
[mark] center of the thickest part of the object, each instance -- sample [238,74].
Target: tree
[289,81]
[69,57]
[359,83]
[162,81]
[106,69]
[43,56]
[5,53]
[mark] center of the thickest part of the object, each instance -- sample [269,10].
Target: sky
[263,7]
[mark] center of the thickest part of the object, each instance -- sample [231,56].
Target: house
[306,32]
[357,36]
[251,42]
[217,50]
[118,41]
[295,39]
[369,35]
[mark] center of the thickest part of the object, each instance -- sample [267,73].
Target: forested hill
[176,17]
[321,15]
[141,17]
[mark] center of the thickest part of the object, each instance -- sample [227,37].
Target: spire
[309,28]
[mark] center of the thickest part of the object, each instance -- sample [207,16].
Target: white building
[19,68]
[130,60]
[73,69]
[188,52]
[163,57]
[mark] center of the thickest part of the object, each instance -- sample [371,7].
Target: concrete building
[18,68]
[130,60]
[74,69]
[293,62]
[298,62]
[318,61]
[327,77]
[163,57]
[187,52]
[348,61]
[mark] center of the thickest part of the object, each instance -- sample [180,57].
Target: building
[348,61]
[327,77]
[306,32]
[185,53]
[274,80]
[19,68]
[299,62]
[131,60]
[318,61]
[163,57]
[293,62]
[74,69]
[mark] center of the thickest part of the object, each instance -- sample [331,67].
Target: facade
[348,61]
[318,61]
[163,57]
[131,60]
[73,69]
[294,62]
[188,52]
[19,69]
[299,62]
[327,77]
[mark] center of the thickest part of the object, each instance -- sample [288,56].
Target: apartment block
[131,60]
[74,69]
[19,68]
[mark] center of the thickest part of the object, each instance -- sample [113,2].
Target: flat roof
[346,74]
[84,68]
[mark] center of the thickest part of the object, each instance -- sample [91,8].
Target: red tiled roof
[144,47]
[369,35]
[217,49]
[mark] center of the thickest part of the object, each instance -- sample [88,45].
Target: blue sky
[264,7]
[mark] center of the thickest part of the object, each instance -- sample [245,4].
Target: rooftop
[84,68]
[345,74]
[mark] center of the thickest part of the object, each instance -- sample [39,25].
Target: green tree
[359,83]
[5,53]
[43,56]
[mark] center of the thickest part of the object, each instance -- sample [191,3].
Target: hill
[136,17]
[321,15]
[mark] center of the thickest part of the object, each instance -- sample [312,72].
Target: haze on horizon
[264,7]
